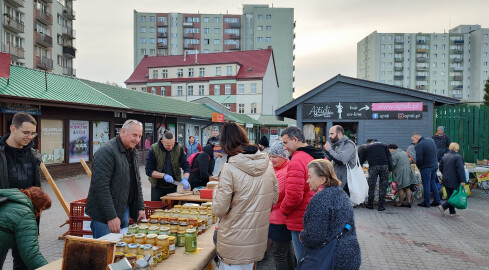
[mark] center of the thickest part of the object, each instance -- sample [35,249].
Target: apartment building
[39,34]
[258,27]
[453,64]
[243,81]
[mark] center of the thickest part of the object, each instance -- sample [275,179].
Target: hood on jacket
[251,161]
[343,139]
[15,195]
[3,142]
[316,153]
[209,150]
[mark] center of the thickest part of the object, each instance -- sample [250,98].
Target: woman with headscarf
[243,199]
[263,144]
[202,167]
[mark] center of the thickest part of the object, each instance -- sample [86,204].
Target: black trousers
[382,171]
[157,192]
[18,262]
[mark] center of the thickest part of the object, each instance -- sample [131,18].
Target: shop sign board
[21,108]
[217,117]
[79,140]
[363,111]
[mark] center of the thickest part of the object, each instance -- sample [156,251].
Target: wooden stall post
[85,166]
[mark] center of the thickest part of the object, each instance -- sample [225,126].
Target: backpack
[191,159]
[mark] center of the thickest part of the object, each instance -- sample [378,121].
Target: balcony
[398,77]
[16,3]
[399,50]
[421,41]
[458,60]
[14,51]
[13,25]
[458,68]
[189,46]
[420,87]
[69,51]
[69,13]
[457,96]
[235,25]
[44,62]
[398,59]
[457,51]
[162,45]
[398,68]
[69,71]
[458,41]
[234,36]
[421,68]
[458,87]
[423,77]
[234,48]
[399,41]
[44,40]
[189,35]
[162,34]
[421,50]
[163,23]
[188,24]
[421,59]
[458,78]
[44,17]
[68,32]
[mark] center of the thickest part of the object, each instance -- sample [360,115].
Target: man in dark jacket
[163,163]
[442,141]
[379,165]
[19,162]
[115,192]
[427,163]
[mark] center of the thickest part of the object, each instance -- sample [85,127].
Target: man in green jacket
[115,192]
[163,163]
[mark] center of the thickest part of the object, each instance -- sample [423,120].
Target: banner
[79,141]
[52,150]
[100,134]
[363,111]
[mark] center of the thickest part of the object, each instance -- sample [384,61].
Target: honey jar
[177,208]
[164,230]
[190,240]
[171,240]
[145,250]
[158,254]
[173,225]
[164,218]
[159,212]
[193,222]
[140,238]
[132,248]
[173,219]
[173,233]
[185,208]
[151,239]
[154,229]
[164,243]
[131,257]
[184,214]
[143,229]
[133,229]
[182,226]
[143,222]
[199,227]
[128,238]
[121,247]
[118,256]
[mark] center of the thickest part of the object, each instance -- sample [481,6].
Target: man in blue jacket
[427,163]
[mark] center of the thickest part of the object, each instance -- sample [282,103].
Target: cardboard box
[206,193]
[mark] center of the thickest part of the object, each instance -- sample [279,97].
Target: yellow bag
[445,195]
[467,189]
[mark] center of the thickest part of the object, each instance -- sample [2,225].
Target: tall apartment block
[39,34]
[260,26]
[453,64]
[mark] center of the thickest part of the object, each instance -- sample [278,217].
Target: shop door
[351,130]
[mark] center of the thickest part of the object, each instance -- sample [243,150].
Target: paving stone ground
[398,238]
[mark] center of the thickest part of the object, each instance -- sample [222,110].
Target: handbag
[357,183]
[458,198]
[320,258]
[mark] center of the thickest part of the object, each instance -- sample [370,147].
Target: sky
[327,31]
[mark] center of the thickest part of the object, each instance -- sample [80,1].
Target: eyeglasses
[132,121]
[29,134]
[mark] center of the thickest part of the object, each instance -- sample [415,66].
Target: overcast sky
[326,32]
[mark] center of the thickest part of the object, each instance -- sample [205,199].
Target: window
[143,29]
[180,73]
[382,55]
[206,19]
[164,73]
[260,16]
[269,28]
[240,88]
[153,90]
[259,28]
[143,89]
[190,90]
[143,18]
[216,41]
[160,19]
[190,72]
[486,54]
[155,74]
[152,51]
[152,18]
[206,30]
[179,90]
[486,36]
[229,70]
[259,39]
[253,88]
[253,108]
[143,40]
[269,16]
[485,64]
[163,91]
[201,72]
[152,40]
[206,42]
[196,19]
[216,30]
[382,64]
[143,51]
[201,90]
[227,89]
[269,39]
[216,19]
[382,46]
[217,89]
[218,71]
[240,108]
[433,74]
[152,29]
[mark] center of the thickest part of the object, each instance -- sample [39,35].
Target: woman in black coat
[453,171]
[202,167]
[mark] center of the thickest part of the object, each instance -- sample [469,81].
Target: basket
[80,226]
[77,208]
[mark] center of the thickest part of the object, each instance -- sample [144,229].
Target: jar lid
[173,231]
[129,234]
[143,226]
[153,228]
[151,236]
[131,255]
[133,226]
[162,237]
[164,228]
[143,221]
[173,223]
[133,245]
[180,232]
[164,222]
[156,248]
[171,238]
[154,222]
[146,247]
[119,254]
[121,244]
[139,235]
[191,231]
[183,223]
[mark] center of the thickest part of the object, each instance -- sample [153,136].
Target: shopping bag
[444,194]
[321,258]
[357,183]
[467,190]
[458,198]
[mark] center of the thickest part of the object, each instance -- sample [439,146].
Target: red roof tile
[257,60]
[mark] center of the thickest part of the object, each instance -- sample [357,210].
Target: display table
[180,260]
[189,198]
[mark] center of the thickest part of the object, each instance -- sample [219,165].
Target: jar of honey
[154,229]
[209,210]
[145,250]
[118,256]
[173,219]
[164,243]
[194,208]
[177,208]
[171,240]
[128,238]
[167,212]
[143,229]
[154,223]
[132,229]
[144,222]
[121,247]
[158,254]
[194,214]
[182,226]
[164,230]
[199,227]
[151,239]
[193,222]
[140,238]
[159,212]
[185,214]
[190,240]
[164,218]
[185,208]
[173,233]
[173,225]
[131,257]
[132,248]
[180,238]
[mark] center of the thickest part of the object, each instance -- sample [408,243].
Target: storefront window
[52,145]
[180,134]
[79,141]
[100,134]
[273,135]
[148,135]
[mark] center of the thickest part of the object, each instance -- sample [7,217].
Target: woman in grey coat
[402,174]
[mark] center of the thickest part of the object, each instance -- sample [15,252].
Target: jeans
[18,262]
[157,192]
[298,246]
[428,177]
[100,229]
[446,204]
[283,256]
[382,171]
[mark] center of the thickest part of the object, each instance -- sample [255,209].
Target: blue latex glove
[168,178]
[186,184]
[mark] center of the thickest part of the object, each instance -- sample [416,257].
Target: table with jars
[178,238]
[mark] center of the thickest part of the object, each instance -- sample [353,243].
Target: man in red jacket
[297,193]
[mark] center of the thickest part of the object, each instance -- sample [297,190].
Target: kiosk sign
[363,111]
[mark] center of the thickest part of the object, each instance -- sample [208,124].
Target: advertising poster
[79,141]
[100,134]
[52,149]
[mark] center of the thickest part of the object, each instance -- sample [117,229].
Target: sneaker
[442,210]
[423,205]
[435,204]
[369,206]
[381,208]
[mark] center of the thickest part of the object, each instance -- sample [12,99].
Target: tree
[486,95]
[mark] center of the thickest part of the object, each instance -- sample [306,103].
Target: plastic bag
[444,194]
[458,198]
[357,183]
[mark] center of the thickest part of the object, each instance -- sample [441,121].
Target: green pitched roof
[242,118]
[223,98]
[271,120]
[30,83]
[150,102]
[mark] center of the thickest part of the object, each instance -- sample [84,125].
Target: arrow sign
[366,107]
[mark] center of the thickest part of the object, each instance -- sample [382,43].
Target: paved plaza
[398,238]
